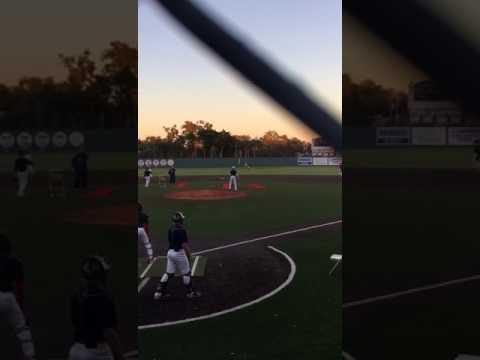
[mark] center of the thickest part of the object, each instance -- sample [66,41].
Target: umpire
[171,173]
[80,169]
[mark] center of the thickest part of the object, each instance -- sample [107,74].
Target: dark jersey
[92,313]
[177,236]
[142,219]
[233,172]
[21,164]
[171,172]
[11,273]
[147,172]
[79,162]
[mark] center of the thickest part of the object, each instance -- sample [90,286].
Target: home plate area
[225,280]
[157,268]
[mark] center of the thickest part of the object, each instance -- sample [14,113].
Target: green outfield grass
[244,171]
[410,236]
[411,157]
[304,320]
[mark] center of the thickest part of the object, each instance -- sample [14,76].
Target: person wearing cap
[147,176]
[94,316]
[233,183]
[178,259]
[23,168]
[80,169]
[172,175]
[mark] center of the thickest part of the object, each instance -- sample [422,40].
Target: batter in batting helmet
[178,217]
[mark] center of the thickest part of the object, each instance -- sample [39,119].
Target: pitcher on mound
[233,183]
[178,259]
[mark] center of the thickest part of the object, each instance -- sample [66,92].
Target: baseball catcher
[94,315]
[178,259]
[11,297]
[143,232]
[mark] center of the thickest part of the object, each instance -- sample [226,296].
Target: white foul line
[347,356]
[313,227]
[147,268]
[268,237]
[291,275]
[143,283]
[194,267]
[131,354]
[410,291]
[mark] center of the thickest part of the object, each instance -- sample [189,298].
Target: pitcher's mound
[205,195]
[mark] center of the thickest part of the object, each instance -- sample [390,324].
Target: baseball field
[53,235]
[412,275]
[262,264]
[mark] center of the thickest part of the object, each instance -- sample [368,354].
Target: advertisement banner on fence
[429,136]
[336,161]
[463,135]
[320,161]
[305,161]
[393,136]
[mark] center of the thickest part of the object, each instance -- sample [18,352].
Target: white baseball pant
[10,310]
[147,180]
[177,261]
[233,183]
[22,177]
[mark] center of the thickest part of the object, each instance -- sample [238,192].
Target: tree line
[94,95]
[365,102]
[200,140]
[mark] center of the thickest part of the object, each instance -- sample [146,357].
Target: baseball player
[80,169]
[233,179]
[94,316]
[178,259]
[147,175]
[11,297]
[23,168]
[143,232]
[171,173]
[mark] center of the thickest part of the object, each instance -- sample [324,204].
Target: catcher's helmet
[95,268]
[178,217]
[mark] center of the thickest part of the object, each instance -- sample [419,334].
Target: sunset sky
[179,80]
[68,27]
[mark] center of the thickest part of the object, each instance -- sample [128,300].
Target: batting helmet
[178,217]
[95,268]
